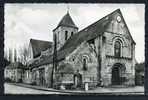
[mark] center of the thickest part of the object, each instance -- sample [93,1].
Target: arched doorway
[77,79]
[118,71]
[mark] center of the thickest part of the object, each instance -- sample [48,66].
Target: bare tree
[24,55]
[15,55]
[6,54]
[10,55]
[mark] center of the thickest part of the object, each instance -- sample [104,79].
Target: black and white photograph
[65,48]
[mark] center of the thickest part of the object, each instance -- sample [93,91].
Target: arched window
[66,35]
[71,33]
[117,49]
[84,64]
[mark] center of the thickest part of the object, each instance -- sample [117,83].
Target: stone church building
[102,53]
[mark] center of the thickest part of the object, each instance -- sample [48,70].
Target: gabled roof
[92,31]
[39,45]
[67,21]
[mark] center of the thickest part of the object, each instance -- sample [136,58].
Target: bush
[139,79]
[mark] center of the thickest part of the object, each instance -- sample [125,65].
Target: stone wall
[27,77]
[76,60]
[60,32]
[46,75]
[117,31]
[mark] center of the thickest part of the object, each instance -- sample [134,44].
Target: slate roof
[86,34]
[66,21]
[39,45]
[48,59]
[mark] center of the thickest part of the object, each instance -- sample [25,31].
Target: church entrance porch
[118,71]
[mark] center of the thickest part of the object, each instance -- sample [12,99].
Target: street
[13,89]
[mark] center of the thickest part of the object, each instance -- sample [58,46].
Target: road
[16,89]
[13,89]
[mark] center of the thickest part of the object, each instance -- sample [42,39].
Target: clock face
[118,18]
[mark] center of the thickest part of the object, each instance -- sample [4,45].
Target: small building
[36,49]
[14,72]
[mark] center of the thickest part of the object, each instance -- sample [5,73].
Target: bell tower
[64,30]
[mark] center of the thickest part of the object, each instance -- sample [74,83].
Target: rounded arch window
[117,49]
[84,62]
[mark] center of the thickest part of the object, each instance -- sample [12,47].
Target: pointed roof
[66,21]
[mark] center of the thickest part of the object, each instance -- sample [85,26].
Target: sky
[26,21]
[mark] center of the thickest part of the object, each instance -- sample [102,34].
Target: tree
[139,67]
[6,54]
[24,55]
[15,55]
[139,73]
[10,55]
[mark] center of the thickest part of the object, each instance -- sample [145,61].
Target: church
[102,54]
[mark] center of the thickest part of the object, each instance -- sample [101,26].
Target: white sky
[25,21]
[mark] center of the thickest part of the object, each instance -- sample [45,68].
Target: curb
[77,92]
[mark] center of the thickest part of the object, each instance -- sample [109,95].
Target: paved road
[13,89]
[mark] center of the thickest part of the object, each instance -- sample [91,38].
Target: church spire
[66,30]
[67,21]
